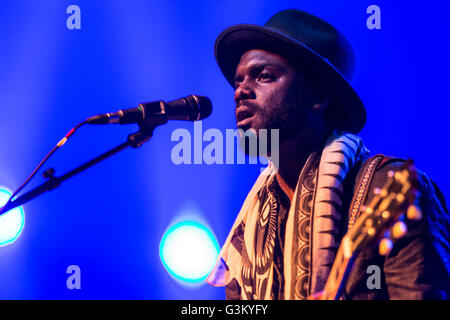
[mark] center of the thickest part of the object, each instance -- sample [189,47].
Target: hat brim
[234,41]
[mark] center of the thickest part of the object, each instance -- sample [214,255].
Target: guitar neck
[338,275]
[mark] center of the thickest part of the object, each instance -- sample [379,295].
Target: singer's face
[268,94]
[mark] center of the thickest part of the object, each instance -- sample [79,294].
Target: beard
[289,114]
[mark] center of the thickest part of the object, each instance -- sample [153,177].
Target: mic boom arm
[134,140]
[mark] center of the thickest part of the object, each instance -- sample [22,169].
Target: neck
[293,155]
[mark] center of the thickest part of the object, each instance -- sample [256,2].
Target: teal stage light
[188,250]
[12,222]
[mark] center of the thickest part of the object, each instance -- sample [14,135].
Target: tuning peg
[399,229]
[400,197]
[414,213]
[385,246]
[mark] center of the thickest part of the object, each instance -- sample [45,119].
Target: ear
[325,101]
[318,106]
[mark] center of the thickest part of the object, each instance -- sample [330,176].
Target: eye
[266,76]
[237,82]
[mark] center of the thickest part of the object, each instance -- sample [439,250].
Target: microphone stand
[134,140]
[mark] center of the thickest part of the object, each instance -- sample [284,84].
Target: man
[292,74]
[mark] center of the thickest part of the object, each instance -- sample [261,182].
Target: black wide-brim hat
[305,40]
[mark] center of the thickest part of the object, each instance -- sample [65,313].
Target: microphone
[190,108]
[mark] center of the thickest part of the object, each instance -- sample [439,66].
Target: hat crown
[318,35]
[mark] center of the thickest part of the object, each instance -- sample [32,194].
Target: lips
[243,116]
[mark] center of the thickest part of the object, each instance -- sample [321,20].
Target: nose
[244,91]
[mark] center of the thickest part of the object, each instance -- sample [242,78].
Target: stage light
[12,222]
[188,251]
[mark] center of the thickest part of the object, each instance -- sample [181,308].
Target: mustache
[252,106]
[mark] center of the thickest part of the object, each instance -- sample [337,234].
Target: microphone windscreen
[204,106]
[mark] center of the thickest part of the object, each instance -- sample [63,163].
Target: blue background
[109,220]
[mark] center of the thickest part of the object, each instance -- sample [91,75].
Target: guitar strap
[365,176]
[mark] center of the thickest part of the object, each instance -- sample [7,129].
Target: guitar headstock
[380,222]
[383,218]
